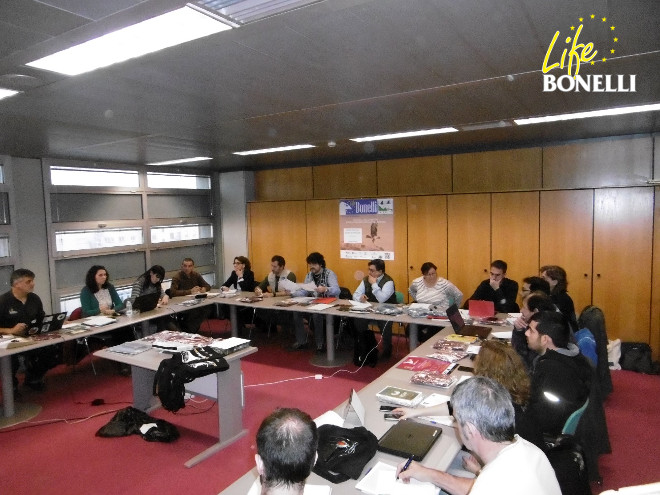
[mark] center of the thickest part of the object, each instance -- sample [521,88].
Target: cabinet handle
[586,276]
[598,275]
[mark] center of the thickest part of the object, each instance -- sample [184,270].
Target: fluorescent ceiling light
[398,135]
[586,115]
[244,11]
[183,160]
[170,29]
[6,93]
[274,150]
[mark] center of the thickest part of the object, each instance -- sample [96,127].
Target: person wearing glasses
[377,287]
[241,278]
[499,289]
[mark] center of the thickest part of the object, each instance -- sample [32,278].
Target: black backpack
[183,367]
[636,356]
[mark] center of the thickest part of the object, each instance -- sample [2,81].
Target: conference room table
[441,454]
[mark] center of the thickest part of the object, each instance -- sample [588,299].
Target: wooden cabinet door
[515,233]
[623,240]
[427,234]
[277,228]
[566,229]
[468,246]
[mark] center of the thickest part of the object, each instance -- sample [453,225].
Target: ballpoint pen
[405,466]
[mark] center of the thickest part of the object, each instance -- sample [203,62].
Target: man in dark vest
[377,287]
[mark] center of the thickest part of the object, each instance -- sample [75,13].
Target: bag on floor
[131,421]
[636,356]
[568,461]
[343,452]
[365,350]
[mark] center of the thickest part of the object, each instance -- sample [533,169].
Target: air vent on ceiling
[245,11]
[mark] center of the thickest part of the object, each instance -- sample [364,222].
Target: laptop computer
[459,326]
[408,439]
[481,309]
[143,303]
[49,323]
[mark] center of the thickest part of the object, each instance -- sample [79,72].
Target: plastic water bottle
[129,308]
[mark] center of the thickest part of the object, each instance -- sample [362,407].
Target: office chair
[105,338]
[574,419]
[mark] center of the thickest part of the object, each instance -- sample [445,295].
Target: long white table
[227,384]
[441,454]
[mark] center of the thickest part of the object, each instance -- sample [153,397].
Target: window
[2,173]
[4,247]
[96,177]
[177,181]
[97,239]
[173,233]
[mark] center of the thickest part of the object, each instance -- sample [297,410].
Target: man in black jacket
[561,376]
[499,289]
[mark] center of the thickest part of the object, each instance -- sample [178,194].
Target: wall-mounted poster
[366,229]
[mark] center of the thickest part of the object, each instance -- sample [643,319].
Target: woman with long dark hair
[148,283]
[99,295]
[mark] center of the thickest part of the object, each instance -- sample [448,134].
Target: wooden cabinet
[623,240]
[427,234]
[277,228]
[515,233]
[565,239]
[468,244]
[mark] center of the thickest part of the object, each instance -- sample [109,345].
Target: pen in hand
[405,466]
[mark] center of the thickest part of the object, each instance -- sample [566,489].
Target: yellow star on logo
[593,63]
[592,16]
[604,19]
[581,19]
[572,28]
[612,50]
[604,59]
[612,28]
[616,40]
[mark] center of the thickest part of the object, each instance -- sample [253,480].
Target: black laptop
[408,439]
[49,323]
[459,326]
[143,303]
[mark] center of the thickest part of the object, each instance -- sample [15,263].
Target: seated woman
[241,277]
[556,277]
[434,290]
[99,295]
[149,283]
[500,362]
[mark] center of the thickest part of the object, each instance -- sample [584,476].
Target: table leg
[230,412]
[413,338]
[7,386]
[143,380]
[331,359]
[233,317]
[330,337]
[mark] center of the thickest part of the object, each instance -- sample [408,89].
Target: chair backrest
[76,314]
[399,297]
[345,293]
[574,419]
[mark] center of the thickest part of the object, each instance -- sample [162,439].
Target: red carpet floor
[47,455]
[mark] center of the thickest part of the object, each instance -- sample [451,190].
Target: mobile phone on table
[391,417]
[387,408]
[467,369]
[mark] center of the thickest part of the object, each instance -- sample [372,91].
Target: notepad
[381,480]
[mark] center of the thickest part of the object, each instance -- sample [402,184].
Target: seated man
[287,443]
[533,303]
[188,281]
[18,307]
[376,287]
[499,289]
[534,284]
[561,376]
[269,285]
[327,285]
[485,421]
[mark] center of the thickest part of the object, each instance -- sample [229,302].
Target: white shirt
[519,469]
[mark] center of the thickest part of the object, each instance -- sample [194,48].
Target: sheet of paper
[359,305]
[502,335]
[439,420]
[420,306]
[435,399]
[381,480]
[286,284]
[97,321]
[329,418]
